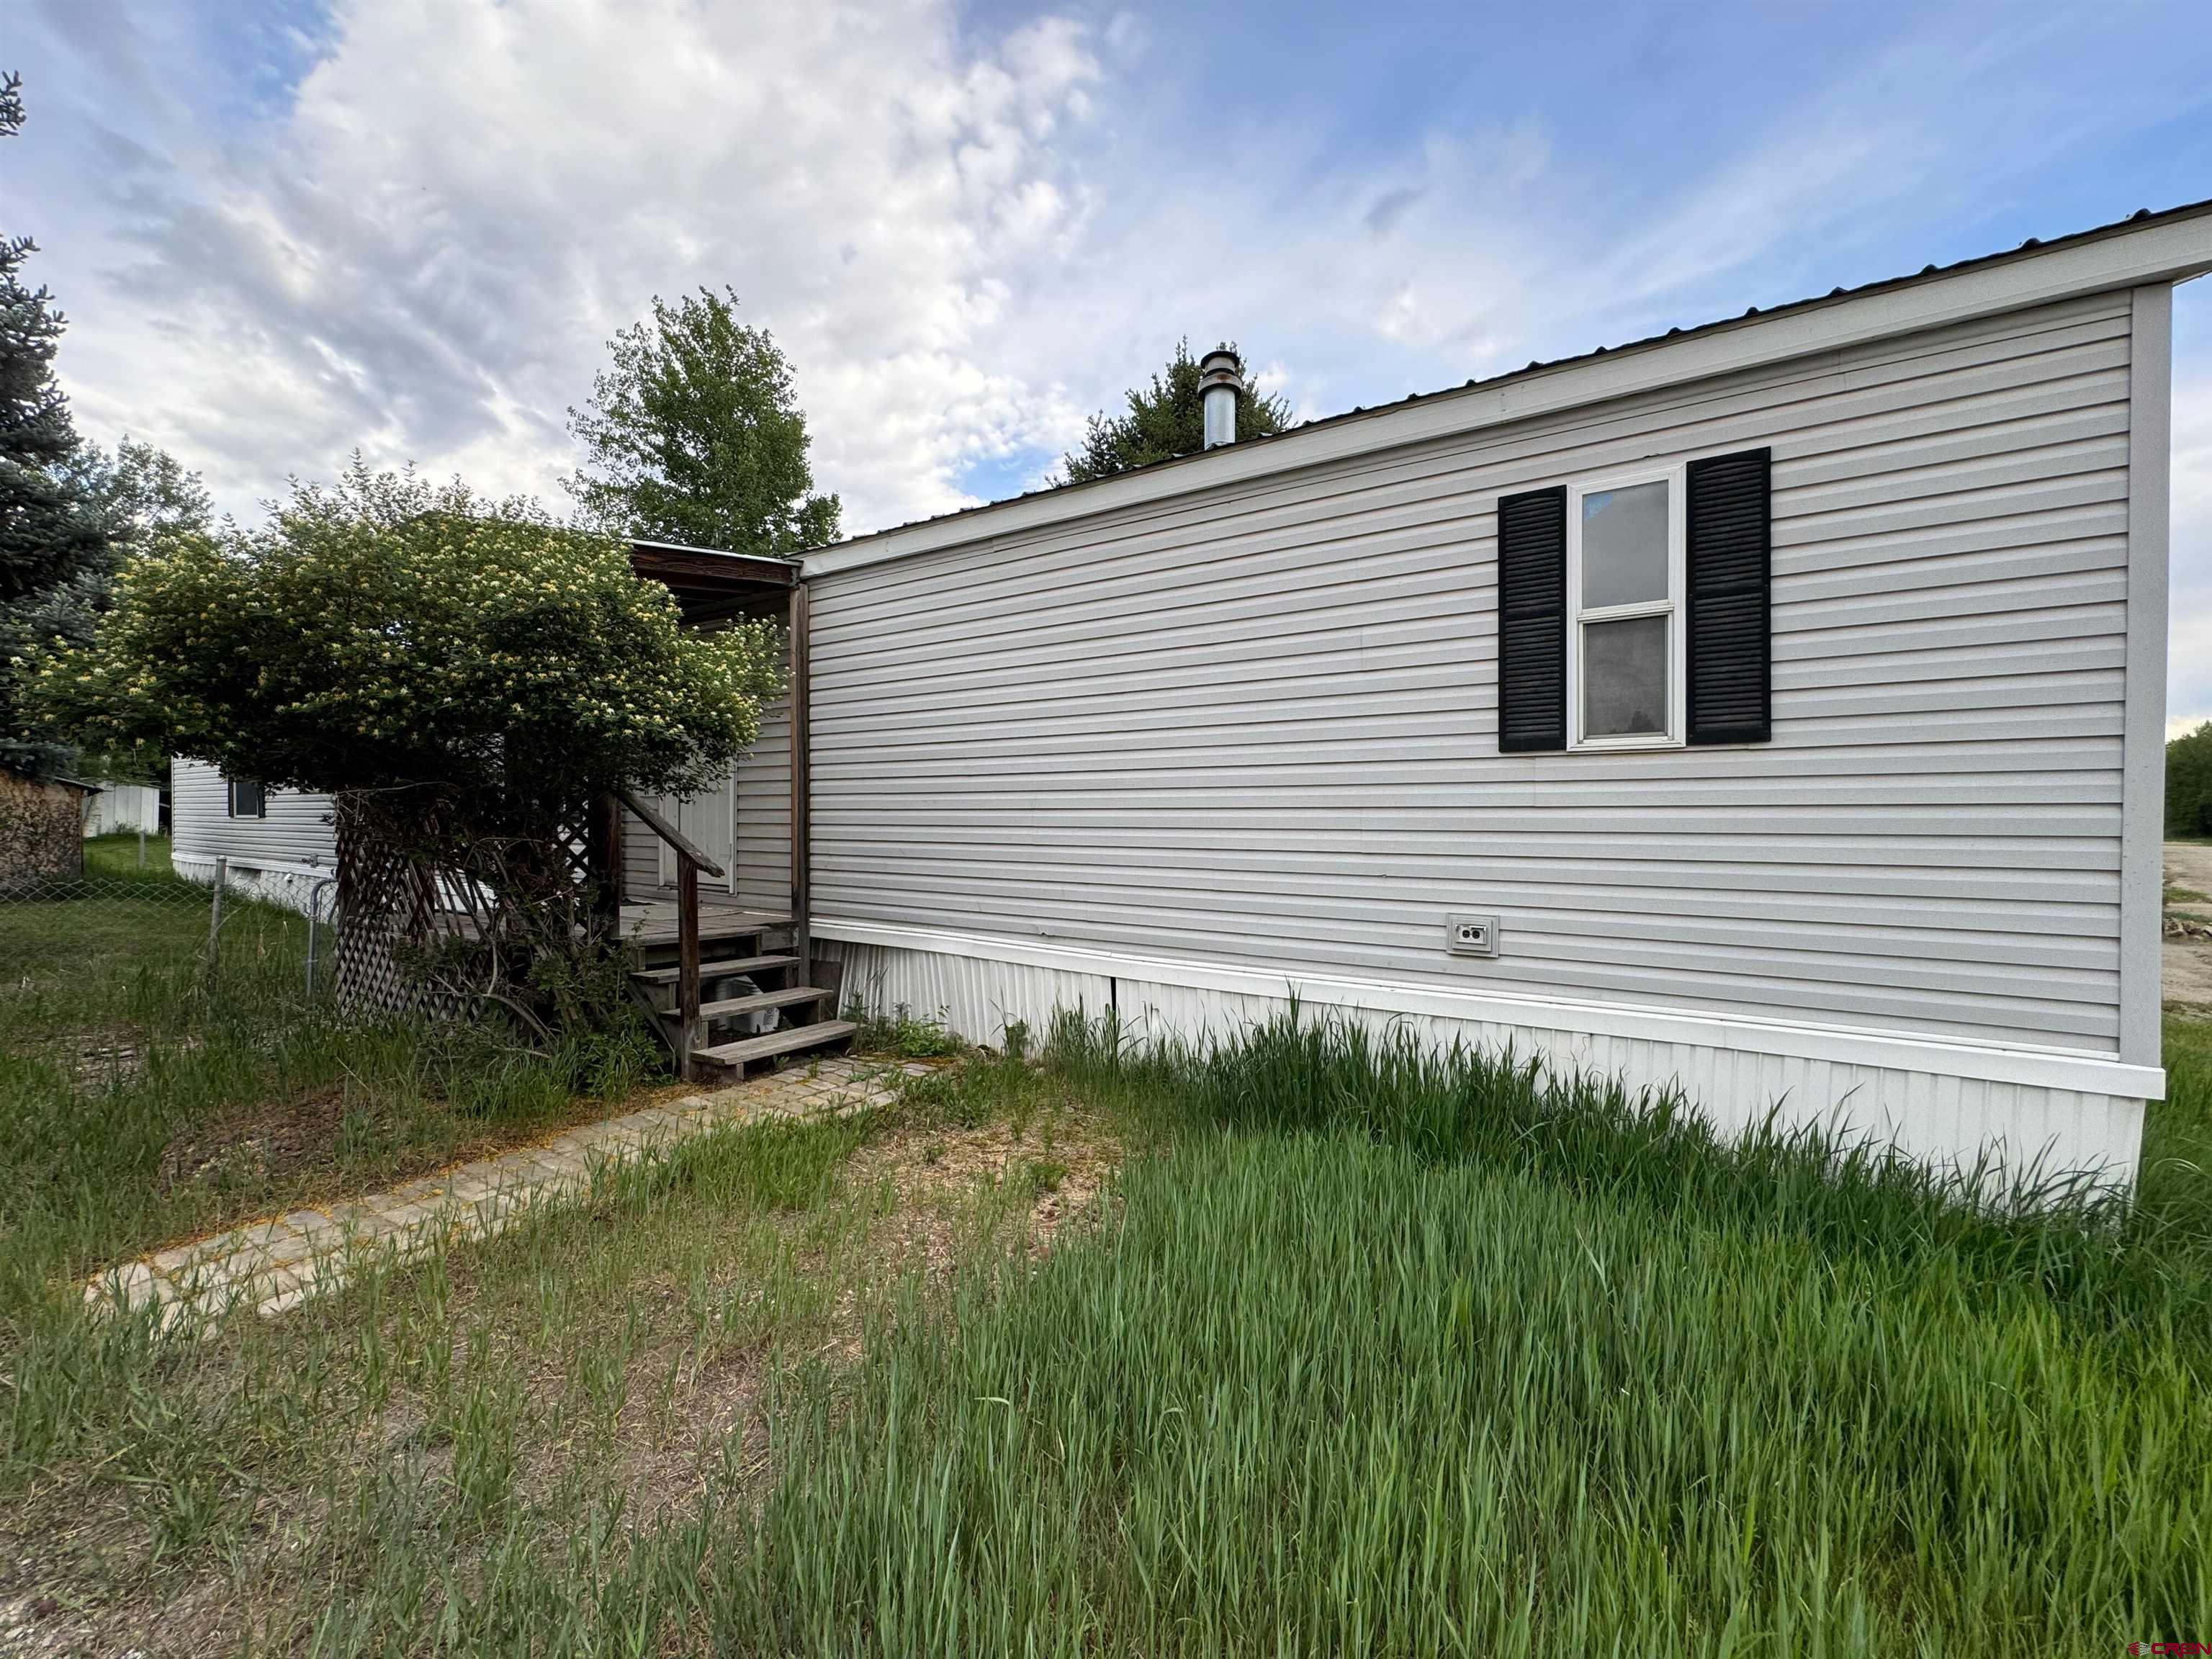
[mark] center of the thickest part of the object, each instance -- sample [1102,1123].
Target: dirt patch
[2188,866]
[104,1608]
[2187,972]
[278,1140]
[2185,964]
[1044,1180]
[709,1423]
[948,1184]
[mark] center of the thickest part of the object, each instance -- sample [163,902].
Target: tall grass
[143,1098]
[2143,1264]
[1318,1394]
[1396,1352]
[1370,1351]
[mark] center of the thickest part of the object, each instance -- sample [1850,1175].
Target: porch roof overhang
[709,584]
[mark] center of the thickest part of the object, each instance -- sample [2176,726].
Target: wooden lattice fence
[437,914]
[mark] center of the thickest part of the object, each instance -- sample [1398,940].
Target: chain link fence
[93,963]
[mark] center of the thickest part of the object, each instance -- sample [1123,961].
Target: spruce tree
[54,550]
[1165,419]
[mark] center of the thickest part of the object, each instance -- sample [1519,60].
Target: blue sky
[283,232]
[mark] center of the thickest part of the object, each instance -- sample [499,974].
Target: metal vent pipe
[1221,381]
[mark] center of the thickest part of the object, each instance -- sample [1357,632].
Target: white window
[1624,586]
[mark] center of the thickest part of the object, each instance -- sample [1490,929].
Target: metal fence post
[314,917]
[142,847]
[214,915]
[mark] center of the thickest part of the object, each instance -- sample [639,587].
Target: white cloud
[964,239]
[425,252]
[2189,639]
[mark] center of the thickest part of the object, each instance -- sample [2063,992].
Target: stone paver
[276,1265]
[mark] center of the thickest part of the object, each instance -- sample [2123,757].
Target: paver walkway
[272,1266]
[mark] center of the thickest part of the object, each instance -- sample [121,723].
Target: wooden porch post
[801,934]
[604,859]
[687,962]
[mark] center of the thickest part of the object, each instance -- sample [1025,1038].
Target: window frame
[1674,607]
[230,799]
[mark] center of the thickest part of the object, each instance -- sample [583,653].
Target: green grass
[1395,1354]
[550,1443]
[1366,1350]
[1318,1393]
[116,858]
[142,1100]
[901,1033]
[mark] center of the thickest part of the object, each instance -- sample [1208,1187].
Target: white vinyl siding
[1256,724]
[295,834]
[764,814]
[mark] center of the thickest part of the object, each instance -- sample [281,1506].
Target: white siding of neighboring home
[1251,730]
[282,855]
[120,808]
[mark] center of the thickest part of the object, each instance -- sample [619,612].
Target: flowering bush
[385,634]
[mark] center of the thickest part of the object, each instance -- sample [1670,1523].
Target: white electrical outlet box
[1471,936]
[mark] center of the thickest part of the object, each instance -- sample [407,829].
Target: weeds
[141,1102]
[2144,1265]
[1393,1352]
[1372,1350]
[899,1032]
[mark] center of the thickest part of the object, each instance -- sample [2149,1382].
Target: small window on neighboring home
[248,798]
[1625,584]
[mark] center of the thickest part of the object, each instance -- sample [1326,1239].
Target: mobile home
[1771,709]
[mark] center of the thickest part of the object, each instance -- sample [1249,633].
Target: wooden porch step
[651,930]
[764,999]
[712,969]
[777,1042]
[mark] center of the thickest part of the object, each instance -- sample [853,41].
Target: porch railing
[689,861]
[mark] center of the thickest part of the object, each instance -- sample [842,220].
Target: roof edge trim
[2168,247]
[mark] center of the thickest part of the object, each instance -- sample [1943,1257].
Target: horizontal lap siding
[764,815]
[297,831]
[1258,725]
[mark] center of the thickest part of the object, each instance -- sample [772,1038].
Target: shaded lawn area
[1360,1351]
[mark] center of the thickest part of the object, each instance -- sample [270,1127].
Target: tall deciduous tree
[1165,419]
[694,436]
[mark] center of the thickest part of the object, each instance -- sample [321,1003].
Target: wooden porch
[658,921]
[727,981]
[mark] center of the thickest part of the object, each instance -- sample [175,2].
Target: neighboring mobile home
[279,842]
[1773,709]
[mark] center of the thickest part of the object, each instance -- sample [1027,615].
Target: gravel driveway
[2188,963]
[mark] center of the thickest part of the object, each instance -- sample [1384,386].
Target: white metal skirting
[1936,1115]
[294,886]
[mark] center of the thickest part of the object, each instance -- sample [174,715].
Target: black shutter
[1532,621]
[1731,549]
